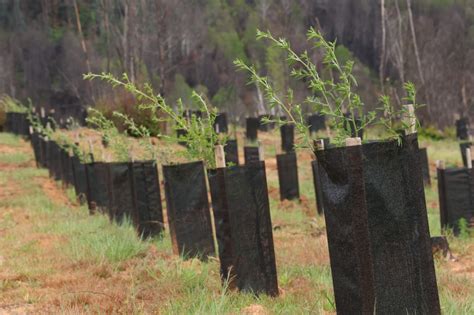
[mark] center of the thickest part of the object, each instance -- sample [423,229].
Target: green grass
[17,158]
[95,239]
[90,238]
[10,140]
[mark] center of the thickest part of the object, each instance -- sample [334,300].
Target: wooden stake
[261,152]
[319,145]
[468,158]
[328,131]
[219,156]
[91,148]
[42,112]
[102,154]
[410,119]
[352,142]
[440,165]
[130,154]
[278,149]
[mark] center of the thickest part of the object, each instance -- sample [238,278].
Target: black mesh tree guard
[463,146]
[251,155]
[316,122]
[462,129]
[244,228]
[220,124]
[287,133]
[121,201]
[188,210]
[80,179]
[252,125]
[377,229]
[456,197]
[288,176]
[425,166]
[231,150]
[148,211]
[98,187]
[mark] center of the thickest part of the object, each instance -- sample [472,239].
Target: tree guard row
[121,190]
[372,197]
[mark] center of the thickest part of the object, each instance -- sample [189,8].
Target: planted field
[56,258]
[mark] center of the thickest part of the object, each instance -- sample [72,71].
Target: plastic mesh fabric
[317,187]
[377,229]
[67,170]
[80,178]
[120,183]
[288,176]
[220,124]
[231,150]
[463,146]
[252,125]
[221,221]
[455,188]
[462,129]
[188,209]
[98,188]
[404,272]
[287,133]
[316,122]
[251,229]
[425,166]
[251,155]
[148,212]
[345,212]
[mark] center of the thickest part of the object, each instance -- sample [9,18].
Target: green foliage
[229,43]
[200,136]
[333,96]
[464,228]
[431,132]
[110,134]
[16,158]
[343,54]
[181,90]
[225,97]
[101,241]
[222,33]
[390,114]
[9,104]
[450,132]
[140,132]
[276,67]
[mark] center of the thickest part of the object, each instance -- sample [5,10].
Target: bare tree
[384,40]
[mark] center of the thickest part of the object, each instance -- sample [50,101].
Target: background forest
[180,45]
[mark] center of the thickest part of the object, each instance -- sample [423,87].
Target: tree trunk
[384,40]
[83,43]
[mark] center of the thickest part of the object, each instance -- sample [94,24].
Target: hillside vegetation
[176,45]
